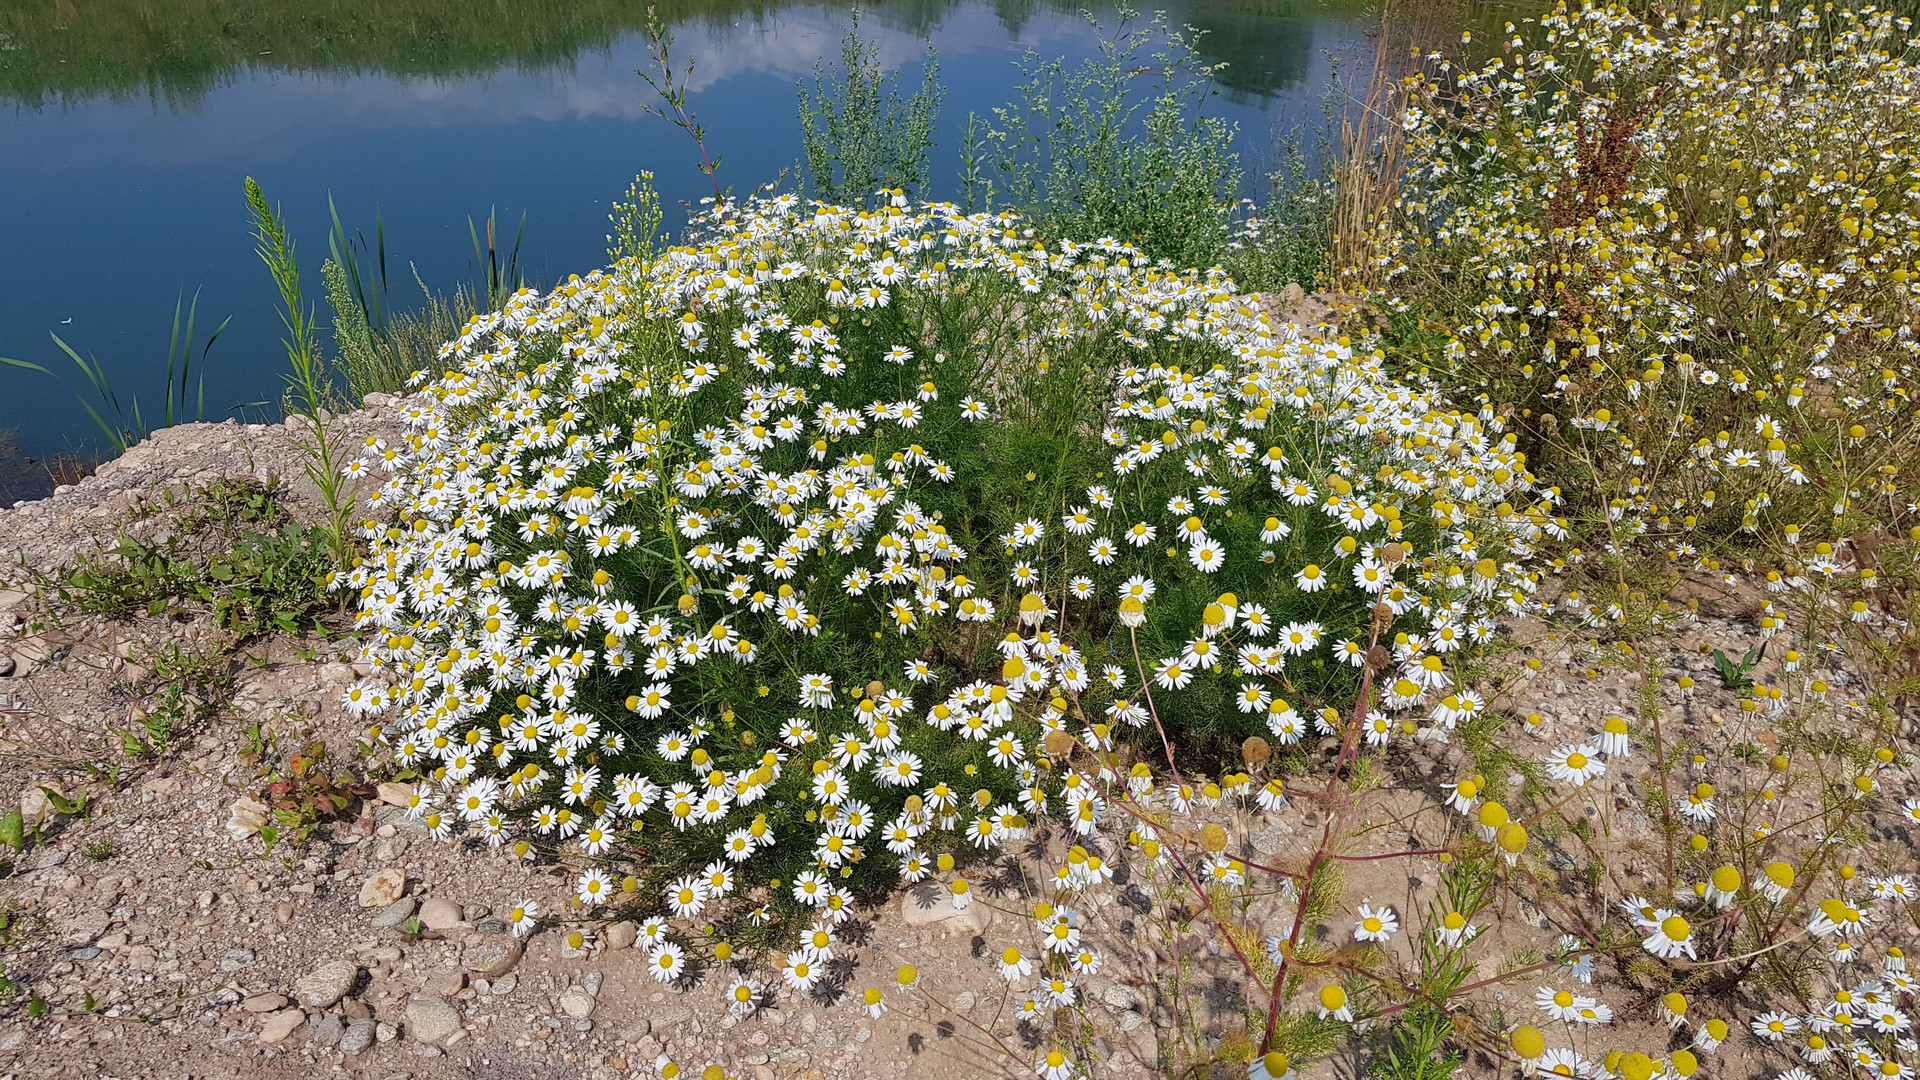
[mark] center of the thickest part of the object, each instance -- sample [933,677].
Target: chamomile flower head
[1376,924]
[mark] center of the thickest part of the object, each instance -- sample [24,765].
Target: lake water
[126,132]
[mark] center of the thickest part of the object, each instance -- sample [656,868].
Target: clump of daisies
[763,574]
[1585,213]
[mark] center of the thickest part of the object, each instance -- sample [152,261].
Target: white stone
[277,1026]
[621,935]
[326,985]
[430,1020]
[439,913]
[246,817]
[382,888]
[577,1003]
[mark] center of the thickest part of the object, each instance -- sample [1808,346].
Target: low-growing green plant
[1736,674]
[302,789]
[1284,241]
[263,574]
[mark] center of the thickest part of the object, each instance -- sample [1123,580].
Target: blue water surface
[116,207]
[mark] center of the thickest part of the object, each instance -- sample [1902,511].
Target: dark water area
[126,129]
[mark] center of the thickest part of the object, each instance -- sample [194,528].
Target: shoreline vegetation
[1005,548]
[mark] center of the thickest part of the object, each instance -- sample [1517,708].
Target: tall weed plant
[858,133]
[1088,152]
[310,392]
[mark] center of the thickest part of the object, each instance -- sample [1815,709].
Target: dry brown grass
[1366,173]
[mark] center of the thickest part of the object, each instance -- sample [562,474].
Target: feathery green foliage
[858,133]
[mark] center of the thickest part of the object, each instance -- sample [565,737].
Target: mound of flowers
[781,567]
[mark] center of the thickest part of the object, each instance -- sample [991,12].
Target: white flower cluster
[679,544]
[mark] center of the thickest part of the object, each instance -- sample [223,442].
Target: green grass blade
[513,257]
[200,409]
[28,364]
[479,258]
[98,380]
[380,263]
[341,247]
[120,436]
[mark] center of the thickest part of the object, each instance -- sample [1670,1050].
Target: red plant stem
[1464,987]
[1320,854]
[1390,855]
[1146,688]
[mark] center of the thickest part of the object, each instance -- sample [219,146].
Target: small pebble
[277,1026]
[394,914]
[328,1030]
[439,914]
[382,888]
[326,985]
[577,1003]
[621,935]
[359,1036]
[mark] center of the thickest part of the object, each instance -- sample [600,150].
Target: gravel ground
[167,942]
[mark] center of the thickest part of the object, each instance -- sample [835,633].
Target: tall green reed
[381,348]
[126,426]
[501,270]
[309,390]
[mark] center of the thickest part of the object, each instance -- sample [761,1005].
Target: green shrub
[858,133]
[1089,156]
